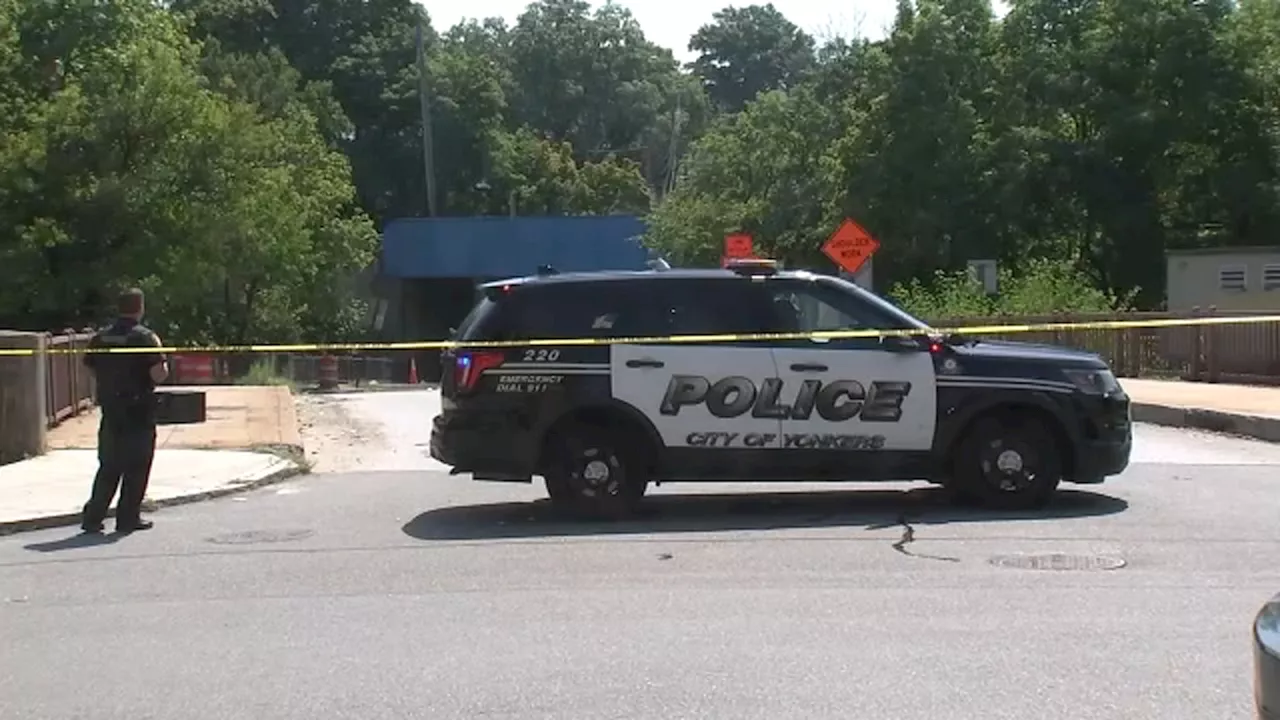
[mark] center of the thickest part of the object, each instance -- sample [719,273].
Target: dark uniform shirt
[125,388]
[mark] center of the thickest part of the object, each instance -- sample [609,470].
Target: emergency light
[752,266]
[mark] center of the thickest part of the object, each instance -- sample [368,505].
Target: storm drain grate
[1058,561]
[251,537]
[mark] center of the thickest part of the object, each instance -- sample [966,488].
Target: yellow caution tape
[973,330]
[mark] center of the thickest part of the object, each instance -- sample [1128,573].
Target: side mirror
[899,344]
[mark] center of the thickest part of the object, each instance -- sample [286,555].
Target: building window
[1271,277]
[1233,277]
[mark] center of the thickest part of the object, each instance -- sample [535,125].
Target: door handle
[645,363]
[808,367]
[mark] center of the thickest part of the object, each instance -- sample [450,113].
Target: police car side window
[714,307]
[587,310]
[810,307]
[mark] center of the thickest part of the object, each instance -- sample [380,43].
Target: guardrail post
[1212,345]
[1197,347]
[24,384]
[1119,358]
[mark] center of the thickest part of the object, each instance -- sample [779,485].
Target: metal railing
[70,389]
[1242,353]
[297,368]
[1212,353]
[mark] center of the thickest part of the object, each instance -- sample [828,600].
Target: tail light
[468,367]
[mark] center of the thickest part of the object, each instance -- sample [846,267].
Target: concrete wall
[22,397]
[1195,278]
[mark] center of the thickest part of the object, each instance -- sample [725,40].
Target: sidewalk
[1248,410]
[50,490]
[238,447]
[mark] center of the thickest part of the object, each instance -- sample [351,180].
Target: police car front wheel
[1008,461]
[593,472]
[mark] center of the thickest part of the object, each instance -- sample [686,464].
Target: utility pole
[673,155]
[424,99]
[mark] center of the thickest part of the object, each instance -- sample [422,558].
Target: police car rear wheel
[594,473]
[1008,462]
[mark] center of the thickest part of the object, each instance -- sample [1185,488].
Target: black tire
[594,473]
[1007,461]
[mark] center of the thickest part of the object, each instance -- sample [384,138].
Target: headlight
[1093,382]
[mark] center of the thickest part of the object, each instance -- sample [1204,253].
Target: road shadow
[75,542]
[871,509]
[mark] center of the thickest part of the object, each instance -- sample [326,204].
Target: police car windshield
[902,320]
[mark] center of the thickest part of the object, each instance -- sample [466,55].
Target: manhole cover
[260,536]
[1058,561]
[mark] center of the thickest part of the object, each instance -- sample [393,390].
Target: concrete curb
[1251,426]
[288,470]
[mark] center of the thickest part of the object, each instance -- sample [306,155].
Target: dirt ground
[366,431]
[238,417]
[341,432]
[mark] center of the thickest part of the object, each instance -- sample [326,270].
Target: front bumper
[1096,461]
[1105,439]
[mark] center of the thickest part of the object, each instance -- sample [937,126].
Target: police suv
[1001,423]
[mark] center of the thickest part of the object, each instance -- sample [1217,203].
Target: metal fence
[1244,353]
[69,390]
[296,368]
[352,369]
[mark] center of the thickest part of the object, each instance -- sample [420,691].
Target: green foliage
[263,372]
[770,171]
[544,179]
[204,180]
[749,50]
[235,157]
[1039,287]
[1097,132]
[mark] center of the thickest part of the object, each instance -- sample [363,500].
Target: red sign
[850,246]
[737,247]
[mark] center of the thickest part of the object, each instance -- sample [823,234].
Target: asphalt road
[407,593]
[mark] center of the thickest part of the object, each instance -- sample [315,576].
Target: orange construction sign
[850,246]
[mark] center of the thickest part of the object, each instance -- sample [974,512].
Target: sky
[671,23]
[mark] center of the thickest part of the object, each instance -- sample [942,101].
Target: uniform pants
[125,451]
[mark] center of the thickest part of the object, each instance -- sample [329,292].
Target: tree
[746,51]
[1145,130]
[769,171]
[229,154]
[366,52]
[541,177]
[918,172]
[227,207]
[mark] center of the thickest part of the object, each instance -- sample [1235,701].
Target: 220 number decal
[541,355]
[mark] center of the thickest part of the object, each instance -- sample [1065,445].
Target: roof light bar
[752,266]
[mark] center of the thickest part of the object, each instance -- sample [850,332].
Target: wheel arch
[612,414]
[1037,404]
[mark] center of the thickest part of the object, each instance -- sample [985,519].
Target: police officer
[126,384]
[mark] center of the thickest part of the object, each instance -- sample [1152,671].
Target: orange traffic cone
[413,372]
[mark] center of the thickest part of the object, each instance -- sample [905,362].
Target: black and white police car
[1000,423]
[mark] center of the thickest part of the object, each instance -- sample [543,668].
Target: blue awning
[499,247]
